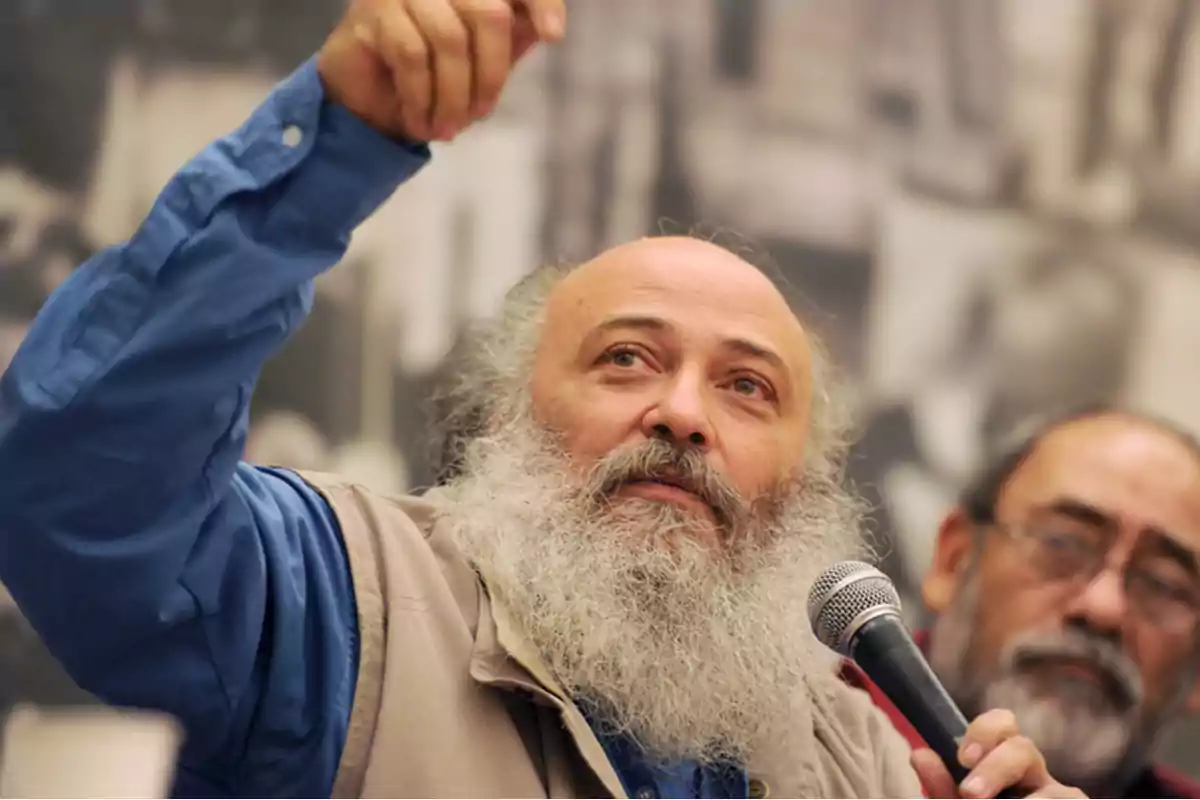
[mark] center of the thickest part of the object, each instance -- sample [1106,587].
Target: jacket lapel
[503,659]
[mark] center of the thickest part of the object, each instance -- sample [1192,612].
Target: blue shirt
[159,568]
[641,778]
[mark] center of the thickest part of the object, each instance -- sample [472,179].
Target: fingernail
[971,754]
[553,24]
[974,787]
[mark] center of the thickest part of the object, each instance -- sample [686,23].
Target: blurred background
[992,207]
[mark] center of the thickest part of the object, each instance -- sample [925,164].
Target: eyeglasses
[1161,587]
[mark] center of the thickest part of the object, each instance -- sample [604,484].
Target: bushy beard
[1092,736]
[693,649]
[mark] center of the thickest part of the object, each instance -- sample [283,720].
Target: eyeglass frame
[1182,614]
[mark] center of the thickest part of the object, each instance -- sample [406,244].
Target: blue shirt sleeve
[162,571]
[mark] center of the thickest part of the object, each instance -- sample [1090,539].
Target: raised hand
[424,70]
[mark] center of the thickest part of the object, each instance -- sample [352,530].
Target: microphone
[854,610]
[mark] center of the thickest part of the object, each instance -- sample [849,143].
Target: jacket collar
[502,658]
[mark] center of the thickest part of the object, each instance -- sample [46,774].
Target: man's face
[1078,610]
[678,340]
[645,519]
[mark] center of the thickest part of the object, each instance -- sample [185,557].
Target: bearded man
[1067,587]
[604,598]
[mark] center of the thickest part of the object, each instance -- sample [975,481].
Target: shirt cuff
[330,169]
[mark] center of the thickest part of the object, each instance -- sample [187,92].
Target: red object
[1157,781]
[851,674]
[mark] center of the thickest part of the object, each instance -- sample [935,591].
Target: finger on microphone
[985,733]
[934,776]
[1013,762]
[970,753]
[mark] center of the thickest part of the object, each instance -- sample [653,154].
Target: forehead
[702,292]
[1137,474]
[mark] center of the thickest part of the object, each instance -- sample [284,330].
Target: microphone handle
[885,651]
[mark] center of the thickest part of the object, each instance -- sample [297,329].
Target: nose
[1102,603]
[680,416]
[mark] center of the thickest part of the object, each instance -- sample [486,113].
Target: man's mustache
[660,461]
[1120,676]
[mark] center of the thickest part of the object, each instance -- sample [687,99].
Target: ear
[951,555]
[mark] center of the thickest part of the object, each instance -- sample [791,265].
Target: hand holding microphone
[854,609]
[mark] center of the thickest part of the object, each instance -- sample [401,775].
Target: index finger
[985,733]
[1015,762]
[549,18]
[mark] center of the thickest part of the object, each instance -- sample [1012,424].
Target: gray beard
[1088,740]
[692,651]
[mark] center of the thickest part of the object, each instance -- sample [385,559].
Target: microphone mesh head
[841,595]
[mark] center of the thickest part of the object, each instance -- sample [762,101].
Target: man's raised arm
[159,569]
[130,535]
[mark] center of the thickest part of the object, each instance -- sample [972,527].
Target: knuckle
[1026,746]
[412,53]
[1010,727]
[490,13]
[1001,721]
[451,40]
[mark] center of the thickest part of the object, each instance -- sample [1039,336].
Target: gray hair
[489,370]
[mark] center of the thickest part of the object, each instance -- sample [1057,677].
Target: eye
[623,356]
[752,387]
[1160,587]
[1063,551]
[1164,577]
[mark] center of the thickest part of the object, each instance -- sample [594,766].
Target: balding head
[495,363]
[640,486]
[678,340]
[687,271]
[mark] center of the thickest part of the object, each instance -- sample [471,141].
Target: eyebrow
[1082,512]
[1169,547]
[657,325]
[1167,544]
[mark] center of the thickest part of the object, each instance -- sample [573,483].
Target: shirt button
[292,135]
[647,793]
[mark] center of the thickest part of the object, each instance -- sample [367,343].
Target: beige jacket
[451,703]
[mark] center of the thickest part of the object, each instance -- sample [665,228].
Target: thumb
[524,35]
[934,776]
